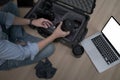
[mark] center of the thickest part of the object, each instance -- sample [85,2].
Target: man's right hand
[59,33]
[56,34]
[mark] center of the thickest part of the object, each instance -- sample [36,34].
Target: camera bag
[77,11]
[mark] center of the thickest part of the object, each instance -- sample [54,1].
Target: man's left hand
[41,22]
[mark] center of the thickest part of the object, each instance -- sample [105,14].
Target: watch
[30,24]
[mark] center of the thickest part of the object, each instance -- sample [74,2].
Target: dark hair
[2,2]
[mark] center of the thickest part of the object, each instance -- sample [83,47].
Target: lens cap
[78,50]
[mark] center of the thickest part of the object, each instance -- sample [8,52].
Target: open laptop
[103,48]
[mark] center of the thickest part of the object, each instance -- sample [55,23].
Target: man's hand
[59,33]
[41,22]
[56,34]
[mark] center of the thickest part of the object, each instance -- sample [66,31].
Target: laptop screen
[112,31]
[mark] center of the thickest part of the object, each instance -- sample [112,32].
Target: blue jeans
[17,32]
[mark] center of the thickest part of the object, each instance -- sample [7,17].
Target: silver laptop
[103,48]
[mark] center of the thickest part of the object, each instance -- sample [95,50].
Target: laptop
[103,48]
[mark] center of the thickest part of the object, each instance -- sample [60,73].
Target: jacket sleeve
[10,50]
[6,19]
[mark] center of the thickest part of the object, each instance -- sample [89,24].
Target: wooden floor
[69,67]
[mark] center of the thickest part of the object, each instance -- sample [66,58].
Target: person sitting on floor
[12,53]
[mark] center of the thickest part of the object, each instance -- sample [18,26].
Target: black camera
[46,11]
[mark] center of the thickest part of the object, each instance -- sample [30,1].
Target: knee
[46,52]
[12,7]
[50,49]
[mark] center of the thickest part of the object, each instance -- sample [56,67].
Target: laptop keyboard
[104,49]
